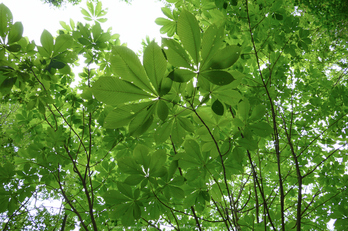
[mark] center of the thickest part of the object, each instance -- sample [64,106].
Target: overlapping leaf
[154,64]
[114,91]
[189,33]
[126,64]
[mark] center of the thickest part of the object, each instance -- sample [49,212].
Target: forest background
[236,120]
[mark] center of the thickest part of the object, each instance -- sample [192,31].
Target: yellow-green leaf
[114,91]
[189,33]
[126,64]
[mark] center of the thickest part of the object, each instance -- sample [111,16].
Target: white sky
[132,21]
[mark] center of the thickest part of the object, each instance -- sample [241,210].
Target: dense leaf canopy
[238,120]
[59,3]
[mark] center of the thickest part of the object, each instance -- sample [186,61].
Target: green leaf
[16,32]
[114,197]
[72,24]
[125,189]
[162,110]
[171,171]
[261,129]
[211,43]
[166,11]
[90,6]
[181,75]
[303,33]
[98,9]
[192,148]
[165,86]
[128,165]
[125,63]
[141,155]
[217,77]
[114,91]
[158,160]
[189,33]
[134,179]
[186,123]
[177,192]
[127,218]
[85,13]
[223,58]
[47,41]
[14,48]
[307,41]
[278,16]
[155,64]
[176,55]
[218,107]
[258,112]
[228,96]
[57,64]
[64,25]
[41,107]
[124,114]
[178,133]
[248,144]
[162,132]
[63,43]
[243,110]
[6,20]
[136,211]
[141,123]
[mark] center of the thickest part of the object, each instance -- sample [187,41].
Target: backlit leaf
[114,91]
[176,55]
[16,32]
[125,63]
[189,33]
[223,58]
[63,43]
[211,43]
[217,77]
[218,107]
[6,20]
[181,75]
[162,110]
[47,41]
[154,64]
[124,114]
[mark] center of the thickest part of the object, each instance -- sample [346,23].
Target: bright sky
[132,21]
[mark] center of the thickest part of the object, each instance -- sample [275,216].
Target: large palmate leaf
[63,42]
[124,114]
[217,77]
[181,75]
[211,43]
[189,33]
[223,58]
[16,32]
[176,55]
[141,122]
[47,42]
[126,64]
[6,19]
[114,91]
[155,64]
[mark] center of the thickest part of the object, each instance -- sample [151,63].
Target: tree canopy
[59,3]
[238,120]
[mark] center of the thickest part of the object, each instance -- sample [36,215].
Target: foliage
[331,14]
[59,3]
[238,121]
